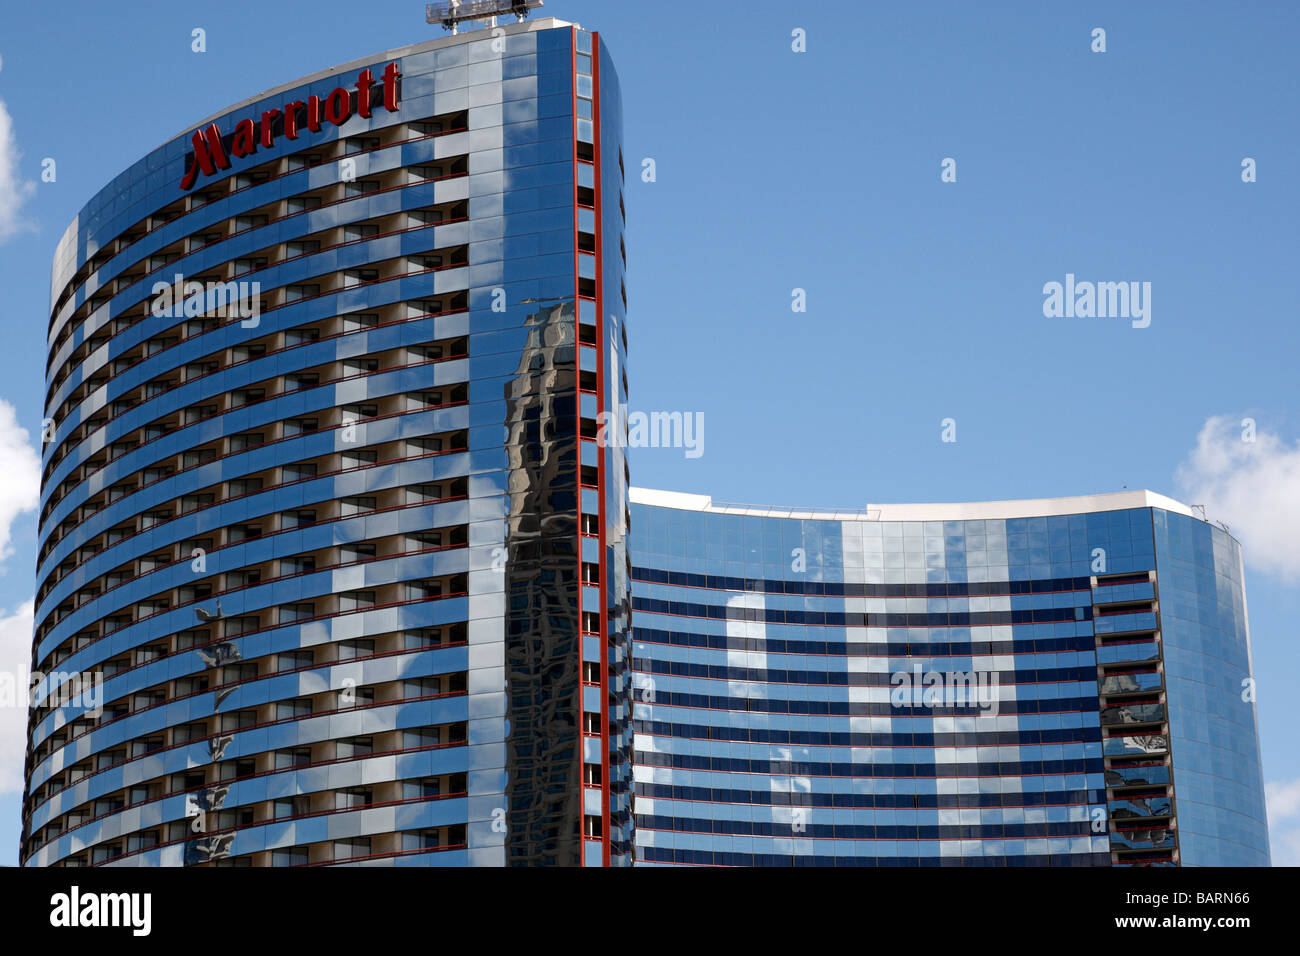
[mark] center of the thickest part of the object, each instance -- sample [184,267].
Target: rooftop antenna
[452,13]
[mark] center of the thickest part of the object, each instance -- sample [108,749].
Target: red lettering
[391,76]
[209,155]
[338,106]
[245,141]
[268,133]
[364,82]
[291,118]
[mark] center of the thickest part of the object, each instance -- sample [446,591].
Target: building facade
[1042,683]
[336,568]
[326,534]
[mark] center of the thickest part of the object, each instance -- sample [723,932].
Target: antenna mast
[452,13]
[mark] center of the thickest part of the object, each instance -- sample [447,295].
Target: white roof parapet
[934,511]
[669,499]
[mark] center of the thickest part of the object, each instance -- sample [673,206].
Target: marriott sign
[211,152]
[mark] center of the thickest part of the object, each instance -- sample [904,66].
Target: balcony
[1136,745]
[1149,774]
[1134,652]
[1130,623]
[1137,807]
[1131,682]
[1132,714]
[1148,838]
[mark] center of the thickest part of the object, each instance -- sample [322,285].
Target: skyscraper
[325,528]
[1037,683]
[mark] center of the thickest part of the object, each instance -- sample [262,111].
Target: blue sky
[777,170]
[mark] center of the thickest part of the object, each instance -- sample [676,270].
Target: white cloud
[1284,821]
[15,666]
[20,482]
[13,190]
[20,474]
[1251,486]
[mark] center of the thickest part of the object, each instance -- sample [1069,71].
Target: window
[361,320]
[246,670]
[352,798]
[244,486]
[352,601]
[360,230]
[299,426]
[297,472]
[291,807]
[421,840]
[246,441]
[292,293]
[296,612]
[294,856]
[355,277]
[423,446]
[421,789]
[423,590]
[359,410]
[238,720]
[418,493]
[423,540]
[301,336]
[351,849]
[423,687]
[355,747]
[292,660]
[297,757]
[421,737]
[293,709]
[189,732]
[297,519]
[356,459]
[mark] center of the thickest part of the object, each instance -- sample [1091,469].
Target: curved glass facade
[325,531]
[1014,683]
[1213,731]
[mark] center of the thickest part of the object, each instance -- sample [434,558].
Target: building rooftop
[527,26]
[934,511]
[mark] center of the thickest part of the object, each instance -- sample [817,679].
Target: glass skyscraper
[336,567]
[1061,682]
[324,519]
